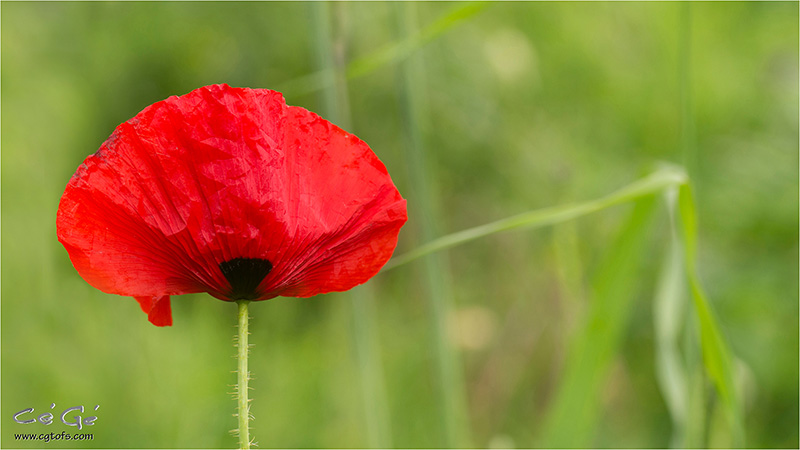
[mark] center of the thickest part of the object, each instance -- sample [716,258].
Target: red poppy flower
[232,192]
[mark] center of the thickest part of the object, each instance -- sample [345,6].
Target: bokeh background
[479,112]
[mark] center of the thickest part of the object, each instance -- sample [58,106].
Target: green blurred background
[514,106]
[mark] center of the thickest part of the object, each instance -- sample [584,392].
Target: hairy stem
[243,377]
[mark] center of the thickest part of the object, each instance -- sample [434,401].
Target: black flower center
[244,275]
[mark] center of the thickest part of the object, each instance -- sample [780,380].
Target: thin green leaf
[572,419]
[390,54]
[651,184]
[402,49]
[716,355]
[669,311]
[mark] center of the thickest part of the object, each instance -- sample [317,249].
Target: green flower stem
[244,376]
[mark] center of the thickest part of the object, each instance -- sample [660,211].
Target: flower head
[232,192]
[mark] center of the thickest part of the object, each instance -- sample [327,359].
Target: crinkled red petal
[223,173]
[158,310]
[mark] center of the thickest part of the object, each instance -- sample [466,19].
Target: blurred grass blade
[602,320]
[572,419]
[692,432]
[569,270]
[329,48]
[669,311]
[716,355]
[651,184]
[687,125]
[370,366]
[402,49]
[422,200]
[387,55]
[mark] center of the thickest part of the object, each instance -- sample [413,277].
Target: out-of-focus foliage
[526,105]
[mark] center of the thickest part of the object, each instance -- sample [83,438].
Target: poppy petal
[158,310]
[346,213]
[232,192]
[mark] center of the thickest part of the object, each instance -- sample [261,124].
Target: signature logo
[47,418]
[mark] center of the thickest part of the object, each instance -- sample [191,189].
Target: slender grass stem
[651,184]
[670,313]
[392,53]
[687,127]
[717,357]
[574,415]
[438,285]
[330,46]
[242,393]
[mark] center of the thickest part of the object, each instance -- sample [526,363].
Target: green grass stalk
[368,355]
[573,418]
[717,357]
[669,316]
[687,127]
[392,53]
[651,184]
[330,47]
[437,276]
